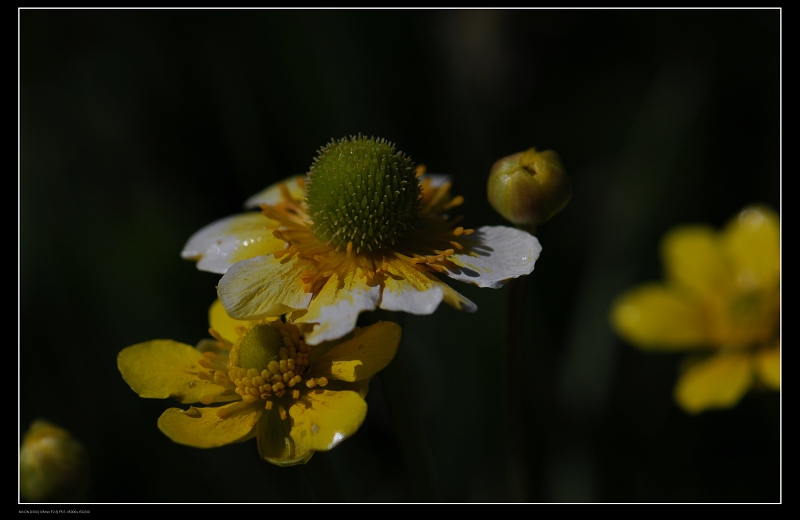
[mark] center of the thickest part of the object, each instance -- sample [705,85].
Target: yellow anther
[457,201]
[247,398]
[310,383]
[274,367]
[206,400]
[282,413]
[268,406]
[322,381]
[295,394]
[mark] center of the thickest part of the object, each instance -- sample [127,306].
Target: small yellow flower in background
[365,229]
[53,465]
[721,298]
[260,379]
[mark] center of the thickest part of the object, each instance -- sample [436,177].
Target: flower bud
[528,188]
[53,466]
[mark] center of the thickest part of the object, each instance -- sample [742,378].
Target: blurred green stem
[516,457]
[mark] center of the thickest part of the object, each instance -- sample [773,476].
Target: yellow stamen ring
[438,239]
[278,379]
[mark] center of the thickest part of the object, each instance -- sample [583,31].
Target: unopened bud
[53,466]
[528,188]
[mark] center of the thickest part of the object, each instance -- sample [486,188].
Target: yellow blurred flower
[365,229]
[53,465]
[294,399]
[720,299]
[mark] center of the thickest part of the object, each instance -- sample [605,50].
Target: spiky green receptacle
[364,191]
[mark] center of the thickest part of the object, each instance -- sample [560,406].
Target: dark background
[139,126]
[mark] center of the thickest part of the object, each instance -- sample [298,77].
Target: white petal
[457,300]
[493,255]
[336,308]
[263,286]
[407,289]
[437,179]
[401,296]
[272,194]
[219,245]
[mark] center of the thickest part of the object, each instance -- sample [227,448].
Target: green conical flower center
[362,191]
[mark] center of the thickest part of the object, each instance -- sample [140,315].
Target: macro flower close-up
[260,379]
[295,256]
[365,229]
[721,301]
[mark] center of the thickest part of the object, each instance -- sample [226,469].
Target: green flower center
[362,192]
[268,361]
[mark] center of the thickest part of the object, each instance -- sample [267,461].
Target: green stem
[516,456]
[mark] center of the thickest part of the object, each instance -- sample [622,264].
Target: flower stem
[516,457]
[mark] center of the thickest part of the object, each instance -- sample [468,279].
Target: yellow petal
[693,258]
[164,368]
[768,367]
[715,382]
[652,316]
[275,443]
[323,418]
[361,357]
[227,327]
[205,428]
[752,242]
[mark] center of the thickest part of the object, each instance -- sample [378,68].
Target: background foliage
[139,126]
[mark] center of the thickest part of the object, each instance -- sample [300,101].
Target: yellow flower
[721,298]
[365,229]
[53,465]
[294,399]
